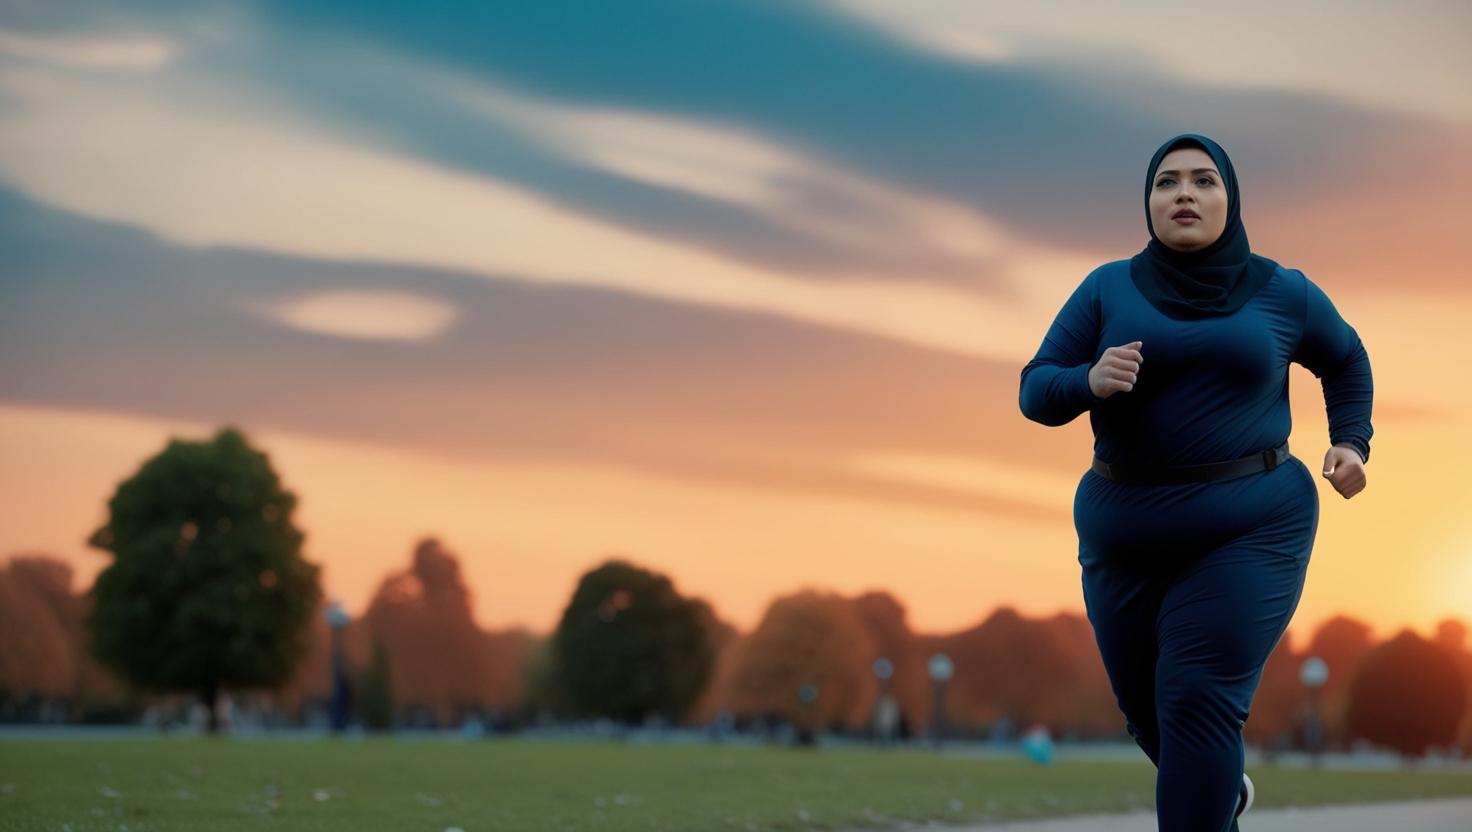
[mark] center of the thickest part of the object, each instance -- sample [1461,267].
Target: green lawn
[199,784]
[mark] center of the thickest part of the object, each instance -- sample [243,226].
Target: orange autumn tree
[422,617]
[1341,642]
[36,655]
[1408,694]
[807,638]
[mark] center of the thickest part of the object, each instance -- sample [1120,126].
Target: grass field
[200,784]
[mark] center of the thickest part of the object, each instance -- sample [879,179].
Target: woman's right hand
[1116,370]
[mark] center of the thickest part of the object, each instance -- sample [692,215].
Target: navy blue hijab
[1216,280]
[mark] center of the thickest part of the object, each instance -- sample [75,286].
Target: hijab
[1216,280]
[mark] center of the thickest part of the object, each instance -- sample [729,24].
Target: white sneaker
[1244,801]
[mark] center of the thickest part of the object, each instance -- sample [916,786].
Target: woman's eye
[1206,179]
[1162,183]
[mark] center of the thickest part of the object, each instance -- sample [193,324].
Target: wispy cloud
[1409,58]
[105,319]
[372,314]
[124,52]
[727,162]
[169,160]
[1046,141]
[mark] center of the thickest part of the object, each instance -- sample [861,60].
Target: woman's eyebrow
[1196,170]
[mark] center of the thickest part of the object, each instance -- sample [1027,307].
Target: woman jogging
[1195,523]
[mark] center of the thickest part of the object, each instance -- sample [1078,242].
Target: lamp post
[1313,673]
[886,710]
[940,672]
[337,619]
[807,697]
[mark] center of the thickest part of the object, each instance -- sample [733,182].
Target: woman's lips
[1186,219]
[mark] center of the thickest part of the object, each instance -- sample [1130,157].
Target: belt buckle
[1270,458]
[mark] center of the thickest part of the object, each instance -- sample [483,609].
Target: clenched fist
[1345,470]
[1116,370]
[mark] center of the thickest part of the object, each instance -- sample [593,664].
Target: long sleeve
[1332,351]
[1055,383]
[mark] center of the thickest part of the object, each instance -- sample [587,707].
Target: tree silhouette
[1451,633]
[884,618]
[1281,696]
[629,645]
[1408,694]
[424,619]
[208,587]
[35,656]
[809,637]
[543,681]
[375,692]
[1341,641]
[42,638]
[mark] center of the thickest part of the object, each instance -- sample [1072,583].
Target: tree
[1280,697]
[375,692]
[1451,634]
[1408,694]
[629,645]
[423,617]
[1341,642]
[208,588]
[807,638]
[35,656]
[884,617]
[543,681]
[42,639]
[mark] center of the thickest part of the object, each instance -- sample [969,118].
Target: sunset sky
[739,290]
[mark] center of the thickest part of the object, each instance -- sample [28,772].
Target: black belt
[1172,474]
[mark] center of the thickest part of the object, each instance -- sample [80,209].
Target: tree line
[208,590]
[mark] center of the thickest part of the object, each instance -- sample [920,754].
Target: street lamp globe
[1314,672]
[337,617]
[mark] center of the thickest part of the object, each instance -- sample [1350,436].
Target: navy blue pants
[1189,588]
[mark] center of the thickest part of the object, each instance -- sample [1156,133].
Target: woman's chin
[1192,243]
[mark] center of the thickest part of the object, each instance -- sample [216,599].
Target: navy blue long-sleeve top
[1208,390]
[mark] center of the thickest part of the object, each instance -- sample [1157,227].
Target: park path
[1441,815]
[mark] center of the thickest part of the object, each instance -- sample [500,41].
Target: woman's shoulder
[1113,267]
[1288,276]
[1297,290]
[1102,281]
[1113,270]
[1293,283]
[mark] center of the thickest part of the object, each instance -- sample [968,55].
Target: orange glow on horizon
[525,532]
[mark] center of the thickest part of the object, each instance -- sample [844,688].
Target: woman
[1194,522]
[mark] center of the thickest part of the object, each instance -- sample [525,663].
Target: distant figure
[887,718]
[1195,524]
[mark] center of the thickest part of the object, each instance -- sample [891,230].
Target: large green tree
[208,588]
[629,645]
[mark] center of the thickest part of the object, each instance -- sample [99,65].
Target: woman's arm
[1332,350]
[1055,383]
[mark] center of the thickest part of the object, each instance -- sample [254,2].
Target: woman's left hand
[1344,470]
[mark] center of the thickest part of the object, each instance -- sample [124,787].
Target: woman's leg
[1220,618]
[1123,606]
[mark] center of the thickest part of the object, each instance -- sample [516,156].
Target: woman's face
[1187,183]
